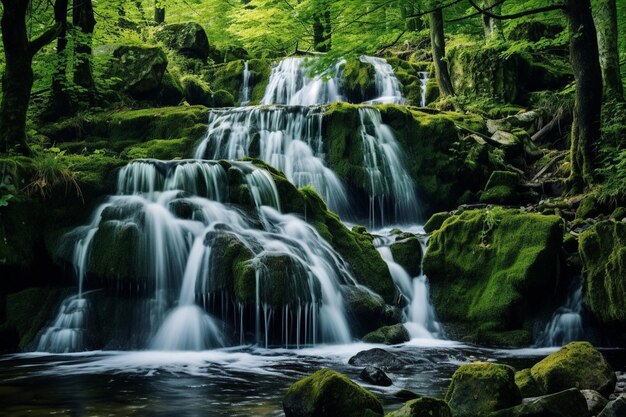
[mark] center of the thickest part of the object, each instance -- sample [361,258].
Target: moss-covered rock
[491,269]
[576,365]
[407,252]
[527,385]
[410,76]
[603,252]
[569,403]
[366,310]
[229,78]
[436,221]
[171,90]
[327,393]
[188,39]
[358,81]
[480,388]
[139,70]
[196,91]
[389,335]
[423,407]
[502,188]
[222,98]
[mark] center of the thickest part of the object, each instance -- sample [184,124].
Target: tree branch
[458,19]
[444,6]
[516,15]
[45,38]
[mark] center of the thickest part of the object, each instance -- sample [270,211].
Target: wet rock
[527,385]
[595,401]
[576,365]
[405,394]
[480,388]
[615,408]
[379,358]
[407,252]
[375,376]
[568,403]
[366,309]
[389,335]
[423,407]
[327,393]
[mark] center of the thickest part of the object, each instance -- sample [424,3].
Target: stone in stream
[480,388]
[377,357]
[327,393]
[423,407]
[595,401]
[615,408]
[568,403]
[375,376]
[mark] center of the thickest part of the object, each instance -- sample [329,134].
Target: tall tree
[492,27]
[438,47]
[585,60]
[605,17]
[17,81]
[84,22]
[59,101]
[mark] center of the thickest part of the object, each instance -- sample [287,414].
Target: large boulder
[366,310]
[576,365]
[188,39]
[423,407]
[490,269]
[375,376]
[139,70]
[480,388]
[358,81]
[407,252]
[377,357]
[595,401]
[615,408]
[389,335]
[569,403]
[603,252]
[327,393]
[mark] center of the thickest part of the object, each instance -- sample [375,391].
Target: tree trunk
[328,30]
[492,27]
[585,61]
[318,34]
[83,19]
[438,47]
[159,12]
[60,102]
[605,17]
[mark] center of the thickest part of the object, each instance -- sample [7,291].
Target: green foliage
[51,170]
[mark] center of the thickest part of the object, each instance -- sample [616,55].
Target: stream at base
[227,382]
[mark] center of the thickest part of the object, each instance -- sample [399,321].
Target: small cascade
[388,88]
[419,314]
[177,218]
[245,86]
[291,84]
[566,324]
[424,78]
[391,189]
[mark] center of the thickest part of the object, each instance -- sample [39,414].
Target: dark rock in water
[389,335]
[187,39]
[595,401]
[480,388]
[405,394]
[377,357]
[366,310]
[327,393]
[569,403]
[423,407]
[407,252]
[615,408]
[576,365]
[375,376]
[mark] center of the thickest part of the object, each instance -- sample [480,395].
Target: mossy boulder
[527,385]
[436,221]
[568,403]
[188,39]
[358,81]
[490,269]
[602,249]
[576,365]
[480,388]
[327,393]
[407,252]
[423,407]
[502,188]
[389,335]
[171,91]
[196,91]
[366,310]
[139,70]
[410,75]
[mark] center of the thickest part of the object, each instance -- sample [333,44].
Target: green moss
[164,149]
[195,90]
[436,221]
[588,207]
[358,81]
[229,78]
[407,251]
[502,188]
[328,393]
[171,91]
[423,407]
[527,385]
[115,252]
[602,249]
[493,267]
[576,365]
[408,75]
[222,98]
[389,335]
[619,213]
[480,388]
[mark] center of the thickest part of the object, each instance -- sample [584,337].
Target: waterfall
[419,314]
[181,217]
[566,324]
[388,87]
[389,183]
[424,78]
[245,86]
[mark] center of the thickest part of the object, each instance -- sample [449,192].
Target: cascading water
[419,314]
[566,324]
[245,89]
[181,217]
[424,78]
[291,139]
